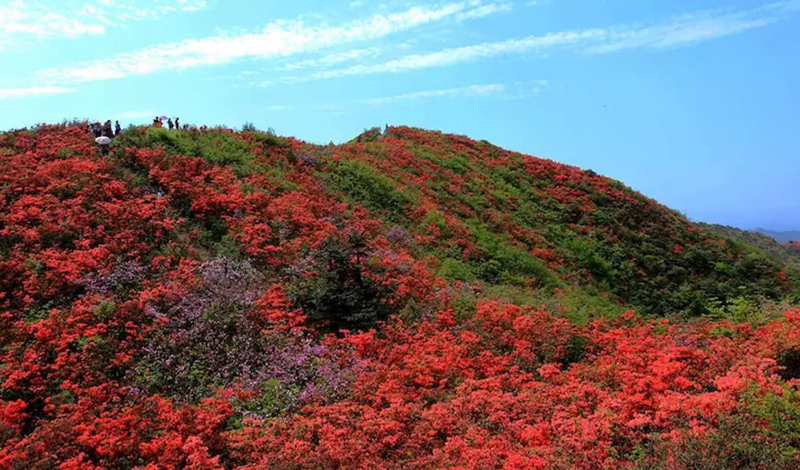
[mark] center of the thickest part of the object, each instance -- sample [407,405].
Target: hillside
[588,229]
[213,299]
[784,252]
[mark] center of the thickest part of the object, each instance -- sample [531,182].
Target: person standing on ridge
[107,130]
[177,123]
[117,129]
[170,124]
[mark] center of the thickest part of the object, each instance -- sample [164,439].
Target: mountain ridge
[758,239]
[782,237]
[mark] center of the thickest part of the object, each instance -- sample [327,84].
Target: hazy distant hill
[782,237]
[772,247]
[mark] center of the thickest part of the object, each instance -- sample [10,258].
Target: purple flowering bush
[298,370]
[307,158]
[120,277]
[212,339]
[398,234]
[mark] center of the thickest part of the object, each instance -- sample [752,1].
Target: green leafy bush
[362,185]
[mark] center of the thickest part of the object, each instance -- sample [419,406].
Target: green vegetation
[536,222]
[335,293]
[217,146]
[755,240]
[365,186]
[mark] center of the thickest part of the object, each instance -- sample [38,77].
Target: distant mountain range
[766,242]
[781,237]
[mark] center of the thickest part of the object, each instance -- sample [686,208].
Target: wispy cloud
[332,109]
[485,10]
[33,20]
[517,90]
[460,55]
[21,19]
[536,3]
[529,89]
[679,31]
[333,59]
[278,39]
[32,91]
[127,10]
[467,91]
[692,28]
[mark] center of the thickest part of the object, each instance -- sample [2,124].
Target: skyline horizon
[140,122]
[690,103]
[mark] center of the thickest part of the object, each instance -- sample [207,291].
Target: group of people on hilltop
[103,133]
[106,130]
[157,122]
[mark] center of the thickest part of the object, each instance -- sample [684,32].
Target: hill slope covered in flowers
[786,252]
[237,300]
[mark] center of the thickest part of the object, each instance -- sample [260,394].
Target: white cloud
[485,10]
[22,20]
[333,59]
[683,30]
[277,39]
[332,109]
[460,55]
[32,91]
[679,31]
[467,91]
[517,90]
[18,18]
[187,6]
[131,10]
[529,89]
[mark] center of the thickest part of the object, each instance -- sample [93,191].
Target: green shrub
[513,265]
[362,185]
[217,147]
[579,305]
[275,400]
[455,270]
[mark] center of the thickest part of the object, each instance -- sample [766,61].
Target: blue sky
[693,103]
